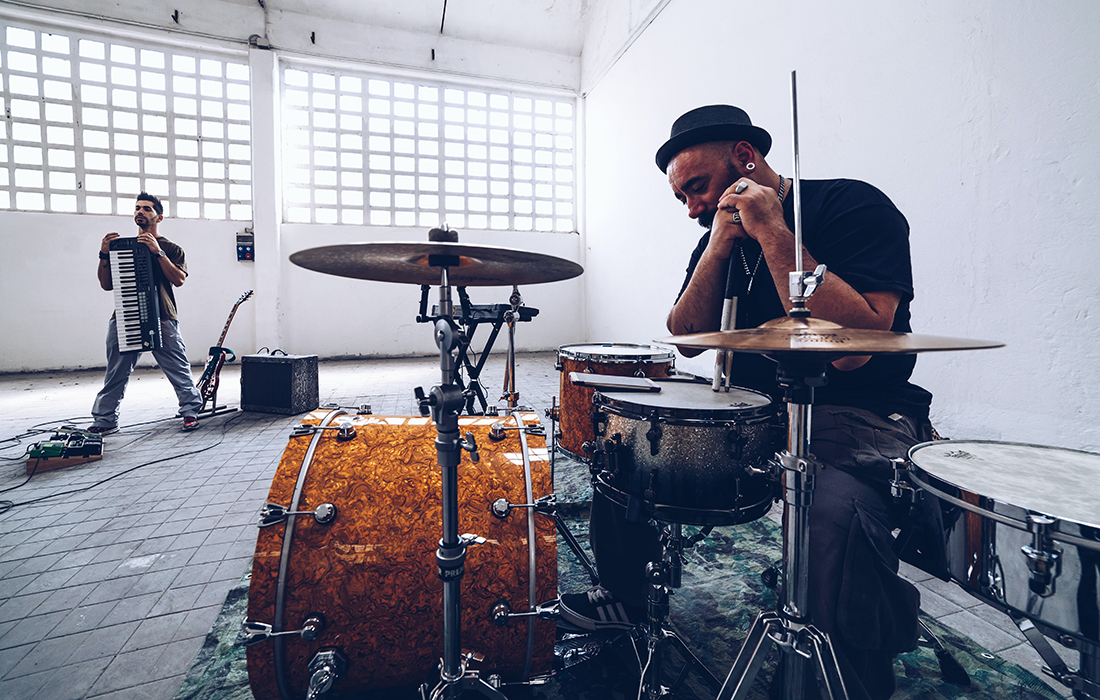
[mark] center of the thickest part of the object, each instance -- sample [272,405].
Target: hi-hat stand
[655,634]
[444,404]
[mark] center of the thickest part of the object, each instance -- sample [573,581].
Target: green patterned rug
[720,596]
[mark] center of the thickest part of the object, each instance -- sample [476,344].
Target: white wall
[54,315]
[980,119]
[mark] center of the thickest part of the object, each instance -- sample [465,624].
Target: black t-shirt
[858,233]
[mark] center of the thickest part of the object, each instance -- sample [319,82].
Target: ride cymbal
[816,336]
[420,263]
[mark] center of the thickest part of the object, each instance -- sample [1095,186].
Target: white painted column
[267,212]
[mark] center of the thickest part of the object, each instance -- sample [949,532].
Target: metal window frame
[302,172]
[120,194]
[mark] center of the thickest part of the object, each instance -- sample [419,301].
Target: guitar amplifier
[279,383]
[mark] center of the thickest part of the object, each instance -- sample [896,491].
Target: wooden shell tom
[617,359]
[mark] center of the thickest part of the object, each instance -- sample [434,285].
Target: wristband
[104,256]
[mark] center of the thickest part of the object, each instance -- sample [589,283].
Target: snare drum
[617,359]
[369,574]
[685,454]
[1020,527]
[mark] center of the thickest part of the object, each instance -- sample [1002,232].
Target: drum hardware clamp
[498,430]
[257,632]
[502,612]
[546,505]
[273,514]
[325,668]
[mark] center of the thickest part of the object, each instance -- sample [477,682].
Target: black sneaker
[101,430]
[598,609]
[190,423]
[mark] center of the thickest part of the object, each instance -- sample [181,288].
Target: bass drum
[1021,527]
[370,574]
[616,359]
[685,454]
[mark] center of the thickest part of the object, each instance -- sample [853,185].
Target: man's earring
[750,166]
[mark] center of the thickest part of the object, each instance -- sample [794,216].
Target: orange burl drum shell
[372,573]
[616,359]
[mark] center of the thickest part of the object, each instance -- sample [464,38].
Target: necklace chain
[783,182]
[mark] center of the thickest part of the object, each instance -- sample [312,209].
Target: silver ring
[736,216]
[741,187]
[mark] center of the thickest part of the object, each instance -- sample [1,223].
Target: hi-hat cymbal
[420,263]
[818,337]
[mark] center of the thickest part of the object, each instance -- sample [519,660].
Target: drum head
[690,401]
[1054,481]
[610,353]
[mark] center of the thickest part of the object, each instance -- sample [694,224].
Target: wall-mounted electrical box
[246,246]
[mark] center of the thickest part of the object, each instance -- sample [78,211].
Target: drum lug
[325,668]
[364,410]
[256,632]
[903,494]
[736,441]
[273,514]
[654,435]
[1044,558]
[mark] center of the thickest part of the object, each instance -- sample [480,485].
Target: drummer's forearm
[699,308]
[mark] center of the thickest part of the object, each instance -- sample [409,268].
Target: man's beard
[706,219]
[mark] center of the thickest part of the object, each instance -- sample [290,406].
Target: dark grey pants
[855,593]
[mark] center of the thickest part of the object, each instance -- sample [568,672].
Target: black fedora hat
[712,123]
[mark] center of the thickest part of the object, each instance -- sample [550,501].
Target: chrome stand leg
[790,627]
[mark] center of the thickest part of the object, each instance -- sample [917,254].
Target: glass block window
[384,151]
[90,122]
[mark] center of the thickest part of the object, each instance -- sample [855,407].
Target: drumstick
[723,358]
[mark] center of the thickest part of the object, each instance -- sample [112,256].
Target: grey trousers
[172,359]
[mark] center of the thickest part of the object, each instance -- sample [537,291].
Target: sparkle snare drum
[1020,527]
[617,359]
[685,454]
[369,576]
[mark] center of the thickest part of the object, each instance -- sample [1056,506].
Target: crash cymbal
[818,337]
[420,263]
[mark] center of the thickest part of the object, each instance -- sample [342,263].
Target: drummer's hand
[758,208]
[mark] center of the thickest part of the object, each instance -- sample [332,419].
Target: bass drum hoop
[659,356]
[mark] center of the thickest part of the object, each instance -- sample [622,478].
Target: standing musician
[867,413]
[172,357]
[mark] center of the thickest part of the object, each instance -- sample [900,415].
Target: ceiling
[557,26]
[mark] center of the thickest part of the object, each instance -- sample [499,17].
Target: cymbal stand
[444,403]
[790,627]
[510,394]
[655,633]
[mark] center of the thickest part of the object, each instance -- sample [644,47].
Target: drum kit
[339,595]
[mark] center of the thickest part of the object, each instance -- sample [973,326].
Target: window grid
[91,122]
[367,149]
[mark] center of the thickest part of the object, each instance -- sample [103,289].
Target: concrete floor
[108,587]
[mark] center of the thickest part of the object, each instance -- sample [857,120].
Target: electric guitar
[218,356]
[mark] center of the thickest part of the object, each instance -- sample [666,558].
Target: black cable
[6,505]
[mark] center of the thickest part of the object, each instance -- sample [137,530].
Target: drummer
[867,413]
